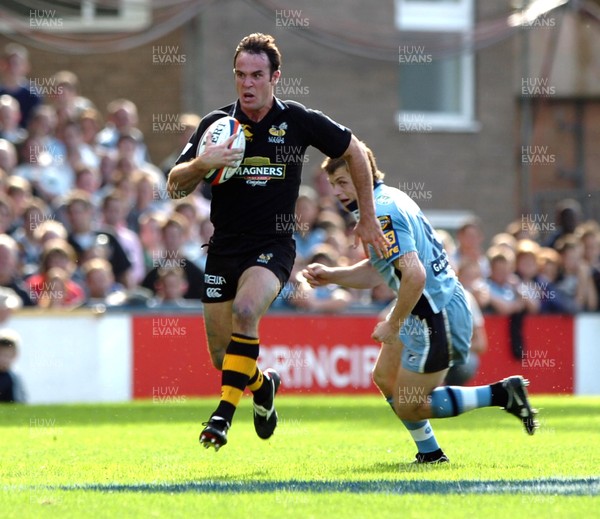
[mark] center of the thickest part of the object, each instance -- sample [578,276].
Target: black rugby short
[223,271]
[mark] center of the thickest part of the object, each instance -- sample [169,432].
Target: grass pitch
[330,457]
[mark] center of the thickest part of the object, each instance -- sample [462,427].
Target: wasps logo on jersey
[265,258]
[393,249]
[248,132]
[277,133]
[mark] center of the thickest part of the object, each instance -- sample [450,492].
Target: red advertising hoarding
[547,359]
[332,354]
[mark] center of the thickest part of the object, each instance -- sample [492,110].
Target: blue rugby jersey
[408,230]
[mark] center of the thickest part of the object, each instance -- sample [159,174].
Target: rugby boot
[431,458]
[214,433]
[518,402]
[265,415]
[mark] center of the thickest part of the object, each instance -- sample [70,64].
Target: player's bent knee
[244,313]
[382,381]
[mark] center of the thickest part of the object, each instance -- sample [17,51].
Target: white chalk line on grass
[550,486]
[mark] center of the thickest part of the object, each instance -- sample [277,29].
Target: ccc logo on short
[213,292]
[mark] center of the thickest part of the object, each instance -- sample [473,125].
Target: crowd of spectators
[85,220]
[529,270]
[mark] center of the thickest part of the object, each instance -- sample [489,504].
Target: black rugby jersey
[259,200]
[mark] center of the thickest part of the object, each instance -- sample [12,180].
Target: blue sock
[421,432]
[454,400]
[423,436]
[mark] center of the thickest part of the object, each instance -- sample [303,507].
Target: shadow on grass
[195,411]
[402,467]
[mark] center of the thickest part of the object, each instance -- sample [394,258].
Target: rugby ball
[220,131]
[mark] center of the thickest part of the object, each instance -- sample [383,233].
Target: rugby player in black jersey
[251,253]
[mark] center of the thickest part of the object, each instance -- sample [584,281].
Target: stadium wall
[86,357]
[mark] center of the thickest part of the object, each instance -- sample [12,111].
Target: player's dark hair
[331,165]
[257,43]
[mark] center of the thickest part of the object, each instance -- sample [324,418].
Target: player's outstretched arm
[185,177]
[359,275]
[367,230]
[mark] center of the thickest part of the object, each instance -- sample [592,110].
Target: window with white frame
[437,93]
[77,16]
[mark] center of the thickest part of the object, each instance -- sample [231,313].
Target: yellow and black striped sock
[256,380]
[259,387]
[239,365]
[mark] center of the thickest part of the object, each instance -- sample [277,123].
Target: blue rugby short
[439,341]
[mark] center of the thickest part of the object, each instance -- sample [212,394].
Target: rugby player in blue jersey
[430,326]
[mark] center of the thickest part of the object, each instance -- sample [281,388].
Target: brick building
[346,57]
